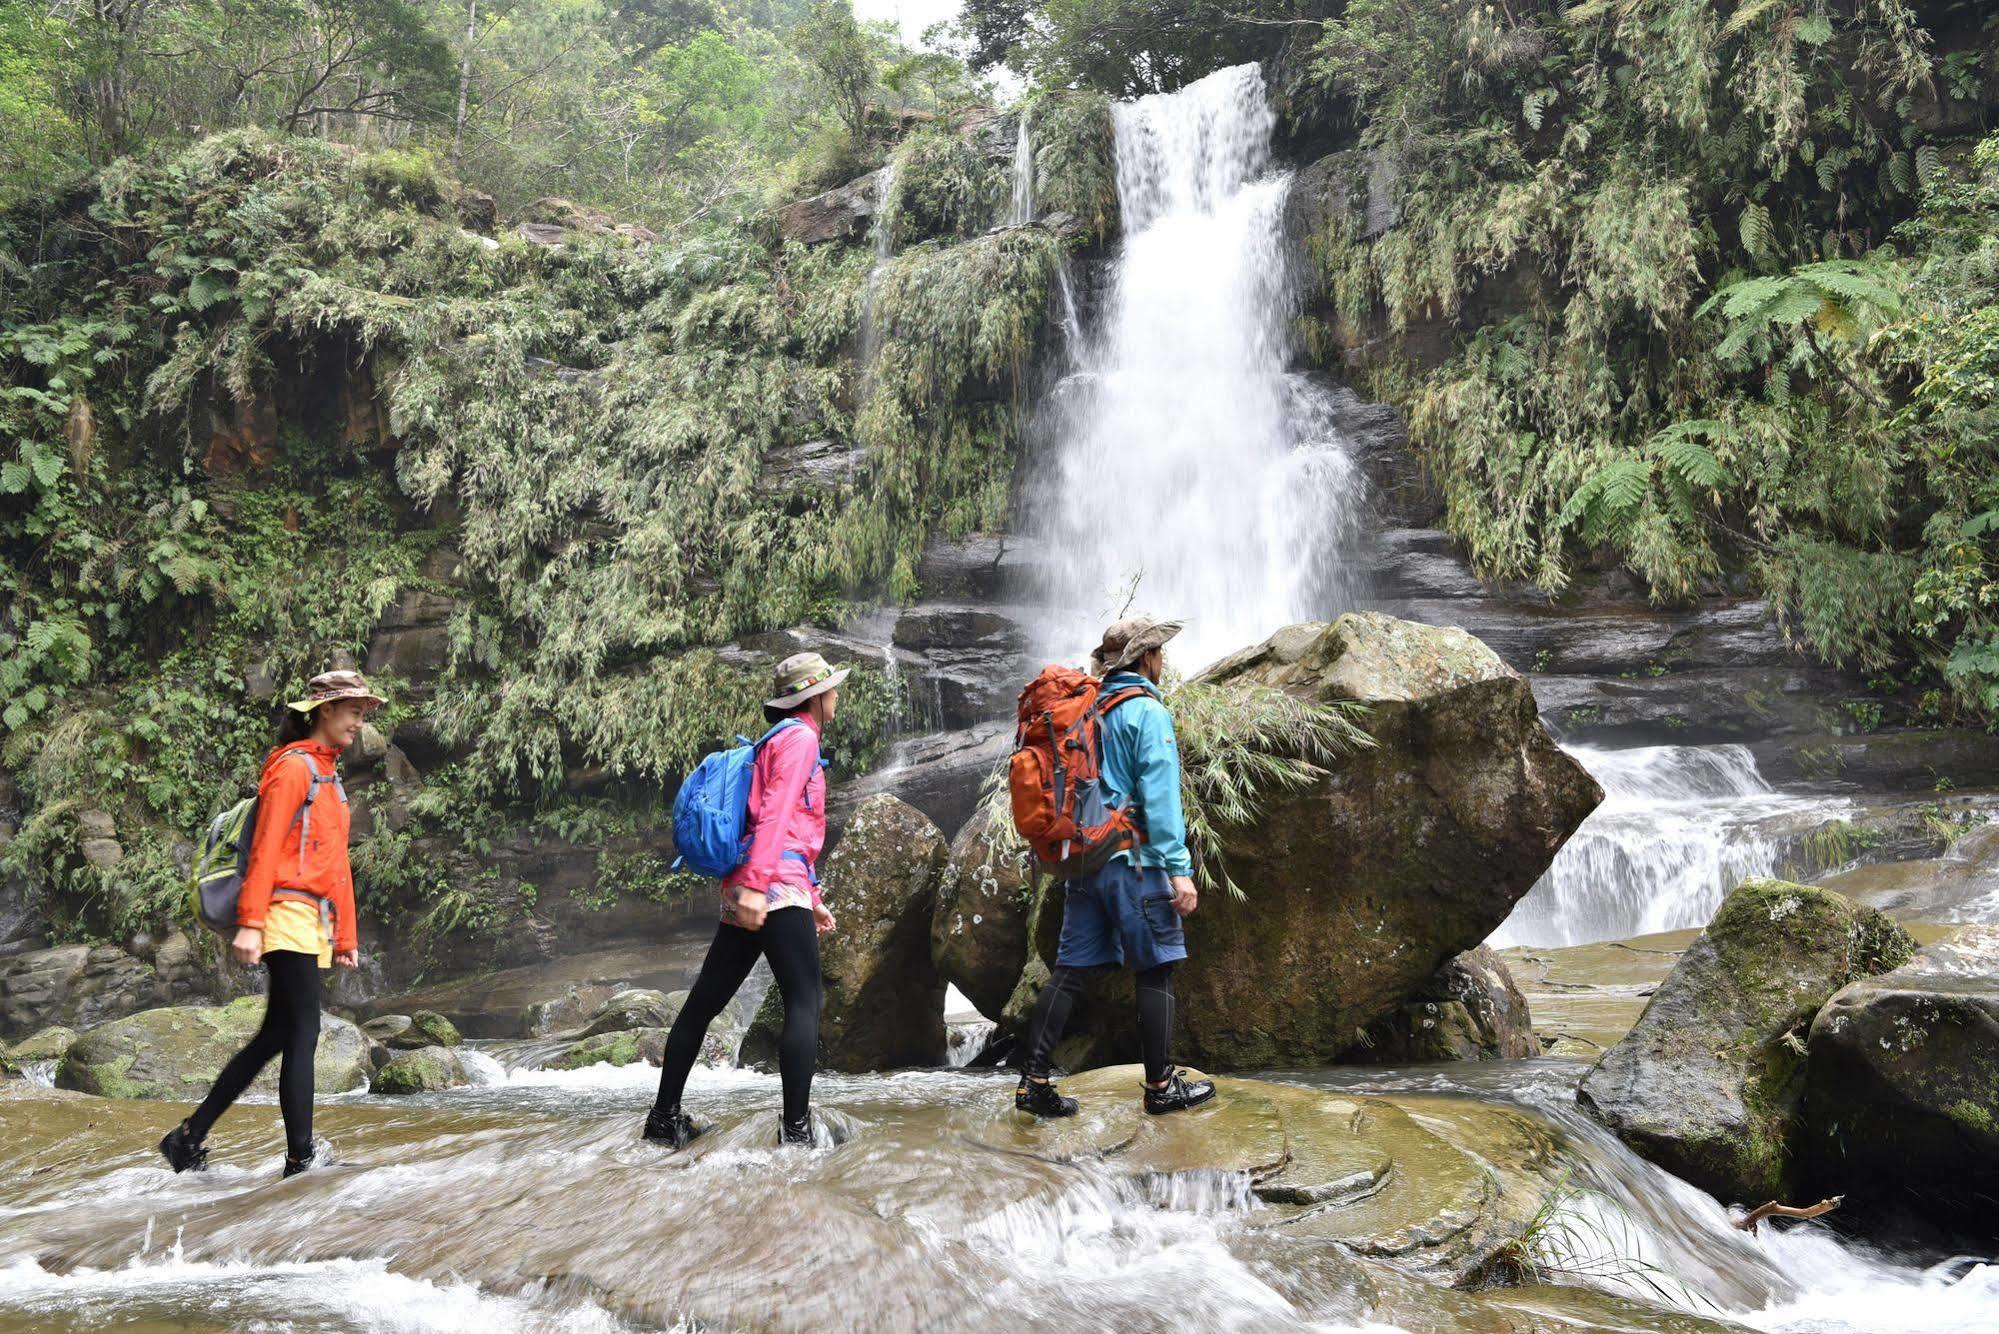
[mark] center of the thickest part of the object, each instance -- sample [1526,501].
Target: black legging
[291,1030]
[1058,998]
[790,940]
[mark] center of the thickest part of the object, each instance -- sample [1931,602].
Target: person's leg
[730,957]
[297,976]
[1155,1021]
[791,943]
[247,1064]
[1088,943]
[1154,940]
[1051,1017]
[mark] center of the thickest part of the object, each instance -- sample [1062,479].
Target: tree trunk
[464,79]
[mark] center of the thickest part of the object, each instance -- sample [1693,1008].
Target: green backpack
[224,859]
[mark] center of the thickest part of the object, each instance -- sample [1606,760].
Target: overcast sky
[913,15]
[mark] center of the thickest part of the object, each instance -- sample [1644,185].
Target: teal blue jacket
[1142,759]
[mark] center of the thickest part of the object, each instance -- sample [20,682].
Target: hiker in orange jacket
[295,912]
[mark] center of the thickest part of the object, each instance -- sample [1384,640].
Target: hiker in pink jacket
[770,906]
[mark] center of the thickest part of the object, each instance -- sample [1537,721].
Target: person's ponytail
[294,726]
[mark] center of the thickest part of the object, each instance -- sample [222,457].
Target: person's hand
[752,906]
[347,958]
[823,918]
[248,946]
[1185,896]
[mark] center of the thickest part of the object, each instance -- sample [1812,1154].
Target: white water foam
[1679,827]
[1192,474]
[326,1294]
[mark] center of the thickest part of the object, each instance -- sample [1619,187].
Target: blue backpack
[711,814]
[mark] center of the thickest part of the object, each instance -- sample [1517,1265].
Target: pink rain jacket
[787,813]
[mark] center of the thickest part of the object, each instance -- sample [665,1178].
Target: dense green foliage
[582,447]
[1720,272]
[683,111]
[1128,47]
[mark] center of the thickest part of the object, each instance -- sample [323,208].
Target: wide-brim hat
[1130,639]
[329,686]
[800,677]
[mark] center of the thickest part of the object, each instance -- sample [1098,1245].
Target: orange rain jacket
[278,859]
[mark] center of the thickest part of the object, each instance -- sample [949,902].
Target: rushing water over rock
[1192,472]
[1680,826]
[530,1204]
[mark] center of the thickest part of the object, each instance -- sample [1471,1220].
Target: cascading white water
[1679,827]
[1192,473]
[1022,211]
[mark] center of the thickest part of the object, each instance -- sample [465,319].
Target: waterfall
[1190,472]
[1022,212]
[1679,827]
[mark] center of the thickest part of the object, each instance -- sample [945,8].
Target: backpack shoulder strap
[303,816]
[781,726]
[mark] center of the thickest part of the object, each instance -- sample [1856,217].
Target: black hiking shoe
[295,1165]
[183,1152]
[675,1127]
[1041,1099]
[1179,1094]
[797,1132]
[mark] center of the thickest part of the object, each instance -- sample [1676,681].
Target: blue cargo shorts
[1120,915]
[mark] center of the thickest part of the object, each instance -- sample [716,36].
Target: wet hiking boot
[296,1163]
[1041,1099]
[797,1132]
[183,1152]
[672,1127]
[1179,1094]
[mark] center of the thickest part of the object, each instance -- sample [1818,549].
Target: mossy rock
[1468,1010]
[638,1007]
[1902,1086]
[176,1052]
[1363,883]
[49,1044]
[978,934]
[884,1004]
[431,1029]
[1708,1082]
[424,1070]
[625,1046]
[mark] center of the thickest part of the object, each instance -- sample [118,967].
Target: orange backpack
[1056,774]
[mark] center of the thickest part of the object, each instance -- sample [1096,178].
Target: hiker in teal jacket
[1127,913]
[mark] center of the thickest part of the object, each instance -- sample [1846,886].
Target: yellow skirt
[294,924]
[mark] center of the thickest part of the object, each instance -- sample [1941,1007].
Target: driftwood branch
[1773,1209]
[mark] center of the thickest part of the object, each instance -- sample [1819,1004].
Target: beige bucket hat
[1130,639]
[800,677]
[329,686]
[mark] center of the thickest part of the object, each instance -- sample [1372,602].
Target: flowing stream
[529,1203]
[1679,827]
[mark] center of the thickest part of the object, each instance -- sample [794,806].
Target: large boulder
[1363,883]
[978,937]
[1468,1010]
[422,1070]
[81,985]
[843,213]
[1708,1083]
[1902,1082]
[884,1002]
[639,1007]
[175,1053]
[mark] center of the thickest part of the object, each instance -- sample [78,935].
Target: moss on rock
[176,1052]
[1709,1081]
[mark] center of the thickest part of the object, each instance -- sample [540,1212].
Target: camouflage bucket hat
[329,686]
[800,677]
[1131,639]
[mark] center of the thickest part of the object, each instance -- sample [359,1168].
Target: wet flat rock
[1416,1188]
